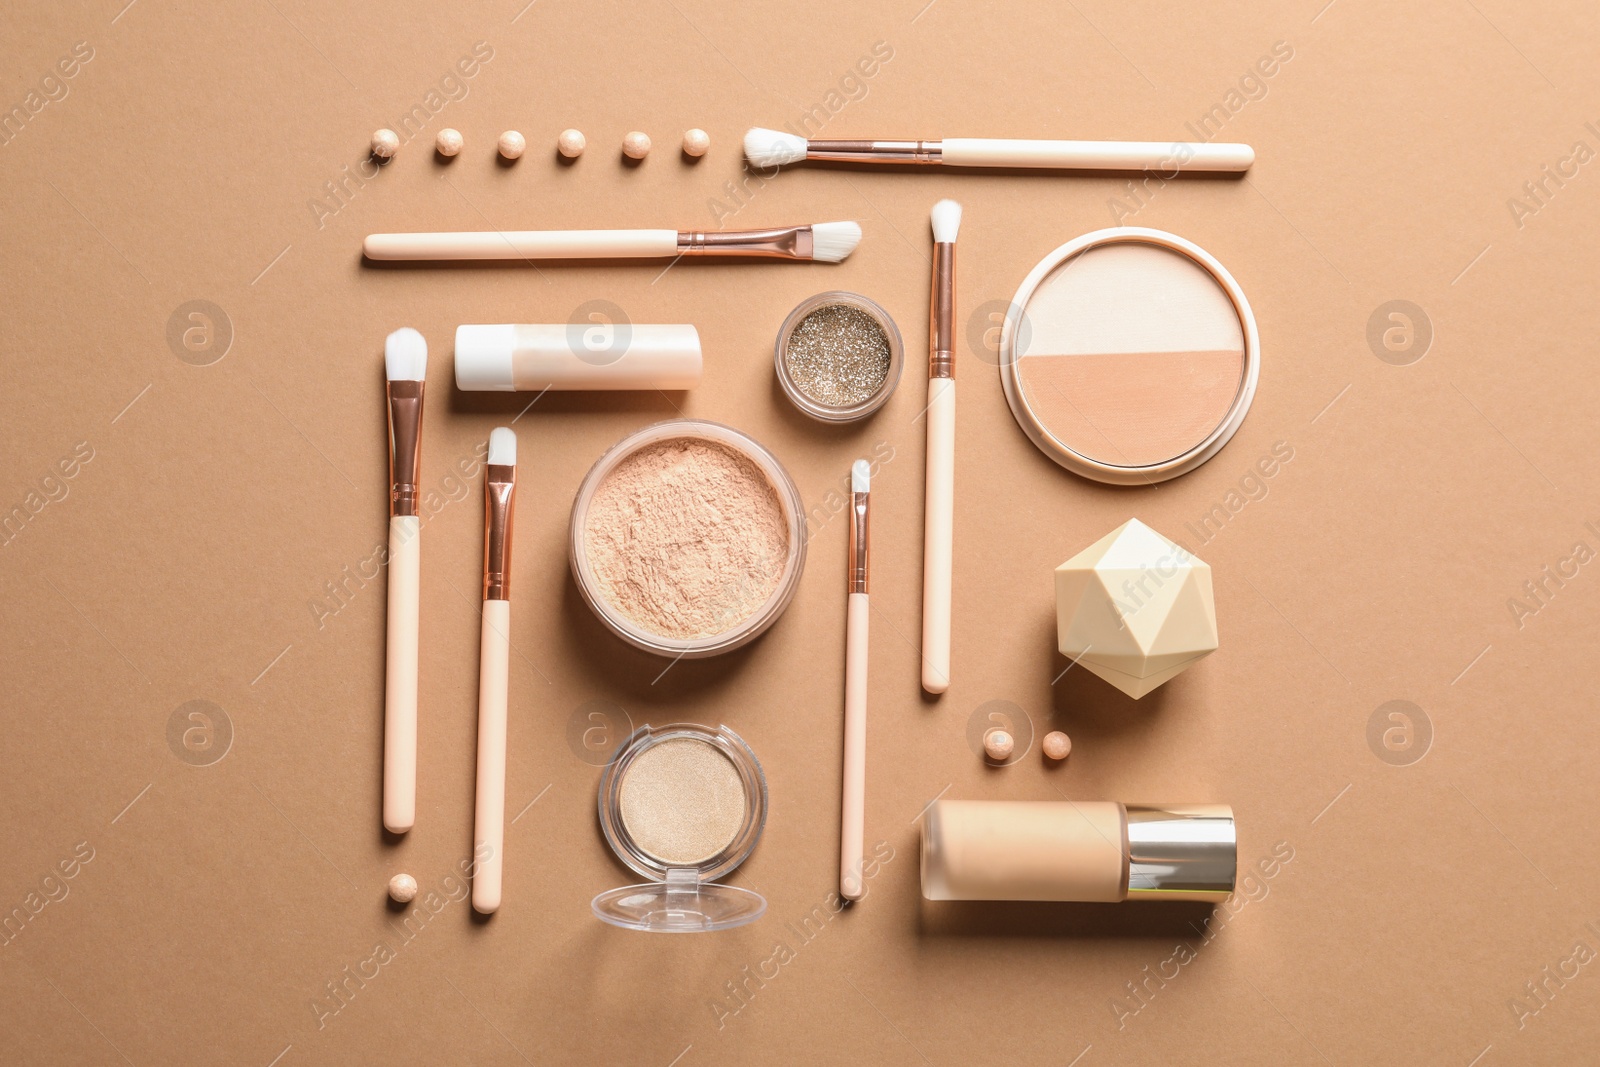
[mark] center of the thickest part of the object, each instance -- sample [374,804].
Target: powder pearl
[696,142]
[571,143]
[998,745]
[403,888]
[636,145]
[385,143]
[449,142]
[1057,744]
[512,144]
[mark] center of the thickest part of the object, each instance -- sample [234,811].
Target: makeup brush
[773,148]
[825,242]
[489,814]
[852,827]
[405,363]
[940,502]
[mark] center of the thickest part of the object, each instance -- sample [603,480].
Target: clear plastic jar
[819,409]
[740,632]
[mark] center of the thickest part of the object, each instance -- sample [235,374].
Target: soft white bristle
[860,476]
[832,241]
[503,446]
[405,356]
[946,217]
[773,148]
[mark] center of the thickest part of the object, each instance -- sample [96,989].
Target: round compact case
[682,805]
[1129,355]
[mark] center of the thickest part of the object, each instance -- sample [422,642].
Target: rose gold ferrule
[942,313]
[857,578]
[790,242]
[405,445]
[876,151]
[499,482]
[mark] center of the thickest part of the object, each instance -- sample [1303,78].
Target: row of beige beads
[571,143]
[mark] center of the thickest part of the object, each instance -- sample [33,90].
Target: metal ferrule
[405,445]
[942,313]
[790,242]
[876,151]
[1181,852]
[498,484]
[858,543]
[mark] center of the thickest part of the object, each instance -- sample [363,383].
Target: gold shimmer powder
[838,355]
[686,538]
[682,801]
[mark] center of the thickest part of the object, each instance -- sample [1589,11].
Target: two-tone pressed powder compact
[1129,355]
[682,805]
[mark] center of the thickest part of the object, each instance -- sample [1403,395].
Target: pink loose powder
[686,538]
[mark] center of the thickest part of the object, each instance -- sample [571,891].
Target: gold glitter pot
[687,539]
[682,805]
[838,356]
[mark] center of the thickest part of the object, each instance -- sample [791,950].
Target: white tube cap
[483,358]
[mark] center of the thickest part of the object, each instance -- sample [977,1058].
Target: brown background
[185,558]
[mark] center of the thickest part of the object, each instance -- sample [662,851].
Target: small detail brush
[825,242]
[940,499]
[489,815]
[773,148]
[852,828]
[405,360]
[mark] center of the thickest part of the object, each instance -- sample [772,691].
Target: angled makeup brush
[405,364]
[494,664]
[825,242]
[773,148]
[939,516]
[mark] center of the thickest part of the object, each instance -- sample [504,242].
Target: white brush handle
[524,244]
[937,534]
[853,817]
[1165,156]
[400,675]
[489,818]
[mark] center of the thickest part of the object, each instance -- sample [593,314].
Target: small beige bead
[696,143]
[1057,744]
[385,143]
[998,744]
[448,142]
[636,145]
[403,888]
[571,143]
[512,144]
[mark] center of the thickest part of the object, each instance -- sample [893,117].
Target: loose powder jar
[838,356]
[682,805]
[1129,355]
[687,539]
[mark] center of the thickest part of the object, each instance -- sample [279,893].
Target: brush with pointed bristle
[774,148]
[405,356]
[826,242]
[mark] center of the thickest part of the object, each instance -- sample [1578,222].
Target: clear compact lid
[680,905]
[682,805]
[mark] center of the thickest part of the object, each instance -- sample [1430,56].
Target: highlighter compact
[1129,355]
[682,805]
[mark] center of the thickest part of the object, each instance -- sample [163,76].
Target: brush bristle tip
[503,446]
[405,356]
[773,148]
[833,241]
[946,218]
[860,476]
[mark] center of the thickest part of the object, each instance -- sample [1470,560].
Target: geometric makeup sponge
[1135,608]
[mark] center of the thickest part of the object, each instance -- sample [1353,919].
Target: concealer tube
[1096,851]
[581,355]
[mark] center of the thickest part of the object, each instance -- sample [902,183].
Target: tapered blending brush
[939,516]
[489,815]
[405,362]
[825,242]
[773,148]
[852,820]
